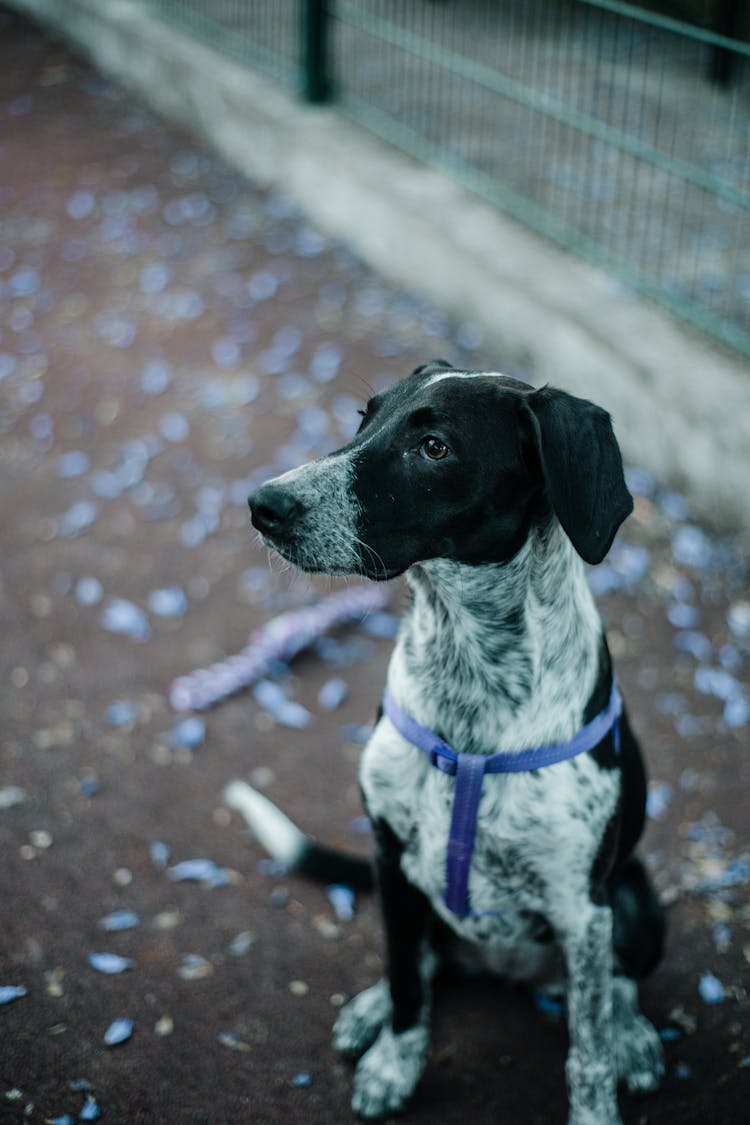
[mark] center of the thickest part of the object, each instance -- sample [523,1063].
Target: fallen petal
[169,602]
[188,732]
[229,1039]
[119,920]
[194,967]
[711,989]
[193,871]
[110,963]
[9,992]
[118,1032]
[90,1110]
[332,694]
[121,616]
[341,899]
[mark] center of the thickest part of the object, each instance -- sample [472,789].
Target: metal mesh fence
[265,33]
[597,123]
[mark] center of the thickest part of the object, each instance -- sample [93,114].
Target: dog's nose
[273,509]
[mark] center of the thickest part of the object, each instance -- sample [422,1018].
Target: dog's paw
[388,1074]
[639,1056]
[360,1022]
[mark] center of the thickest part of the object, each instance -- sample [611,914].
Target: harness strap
[469,778]
[469,771]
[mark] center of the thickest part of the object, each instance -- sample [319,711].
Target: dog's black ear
[433,365]
[582,469]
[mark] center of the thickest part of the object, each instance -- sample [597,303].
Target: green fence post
[316,64]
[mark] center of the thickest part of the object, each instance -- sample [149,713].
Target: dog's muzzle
[309,516]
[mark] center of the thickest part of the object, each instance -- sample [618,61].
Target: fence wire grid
[621,134]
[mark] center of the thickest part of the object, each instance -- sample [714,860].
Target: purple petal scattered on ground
[169,602]
[119,920]
[160,853]
[711,989]
[332,694]
[659,798]
[341,899]
[90,1110]
[123,617]
[118,1032]
[189,732]
[123,713]
[198,871]
[10,992]
[110,963]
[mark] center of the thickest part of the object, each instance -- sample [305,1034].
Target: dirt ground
[170,335]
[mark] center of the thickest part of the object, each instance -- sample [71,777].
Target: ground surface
[168,335]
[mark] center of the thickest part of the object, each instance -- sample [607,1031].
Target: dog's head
[450,464]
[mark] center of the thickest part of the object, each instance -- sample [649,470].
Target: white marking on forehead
[464,375]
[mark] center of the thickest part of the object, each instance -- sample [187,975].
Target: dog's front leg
[388,1073]
[587,943]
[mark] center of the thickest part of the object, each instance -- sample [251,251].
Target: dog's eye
[433,449]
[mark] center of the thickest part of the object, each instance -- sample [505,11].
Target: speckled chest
[537,835]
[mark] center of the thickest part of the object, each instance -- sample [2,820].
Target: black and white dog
[515,854]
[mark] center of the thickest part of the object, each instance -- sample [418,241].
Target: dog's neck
[504,655]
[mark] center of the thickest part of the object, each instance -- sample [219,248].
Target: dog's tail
[284,841]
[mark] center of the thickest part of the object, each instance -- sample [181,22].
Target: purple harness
[469,771]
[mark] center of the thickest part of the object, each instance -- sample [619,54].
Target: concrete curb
[681,406]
